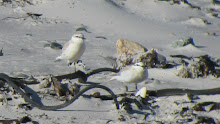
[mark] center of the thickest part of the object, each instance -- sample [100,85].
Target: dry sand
[152,23]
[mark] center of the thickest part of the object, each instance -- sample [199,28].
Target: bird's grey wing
[127,71]
[65,46]
[126,68]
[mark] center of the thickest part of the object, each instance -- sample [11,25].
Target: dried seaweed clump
[50,84]
[203,67]
[172,2]
[21,3]
[151,59]
[15,3]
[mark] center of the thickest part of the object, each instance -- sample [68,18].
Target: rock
[25,106]
[25,119]
[184,72]
[53,45]
[129,52]
[11,121]
[1,52]
[45,83]
[60,89]
[74,88]
[128,47]
[96,95]
[150,59]
[205,120]
[183,42]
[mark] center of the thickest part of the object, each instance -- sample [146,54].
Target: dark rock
[25,119]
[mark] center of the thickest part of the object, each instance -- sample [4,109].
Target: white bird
[73,49]
[132,74]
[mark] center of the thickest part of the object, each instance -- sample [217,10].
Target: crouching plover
[132,74]
[73,50]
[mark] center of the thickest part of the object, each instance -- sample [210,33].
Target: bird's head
[78,36]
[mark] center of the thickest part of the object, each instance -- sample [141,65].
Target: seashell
[142,92]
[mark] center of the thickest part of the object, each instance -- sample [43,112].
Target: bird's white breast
[72,51]
[133,74]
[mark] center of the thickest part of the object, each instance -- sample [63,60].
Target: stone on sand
[128,47]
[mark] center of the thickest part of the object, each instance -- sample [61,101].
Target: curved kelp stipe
[10,81]
[84,76]
[95,71]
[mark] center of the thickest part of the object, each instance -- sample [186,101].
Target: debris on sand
[183,42]
[200,67]
[151,59]
[129,52]
[1,52]
[128,47]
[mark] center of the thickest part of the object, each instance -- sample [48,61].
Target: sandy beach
[29,27]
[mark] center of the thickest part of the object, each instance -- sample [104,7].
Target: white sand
[151,23]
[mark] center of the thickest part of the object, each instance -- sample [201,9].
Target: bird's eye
[79,36]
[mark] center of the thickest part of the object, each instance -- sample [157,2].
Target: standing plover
[132,74]
[73,50]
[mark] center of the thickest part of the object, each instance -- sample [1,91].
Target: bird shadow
[200,46]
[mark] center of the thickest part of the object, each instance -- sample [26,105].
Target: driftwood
[171,92]
[82,76]
[17,84]
[79,74]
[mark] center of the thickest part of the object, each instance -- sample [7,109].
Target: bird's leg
[69,64]
[126,88]
[136,86]
[79,63]
[74,64]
